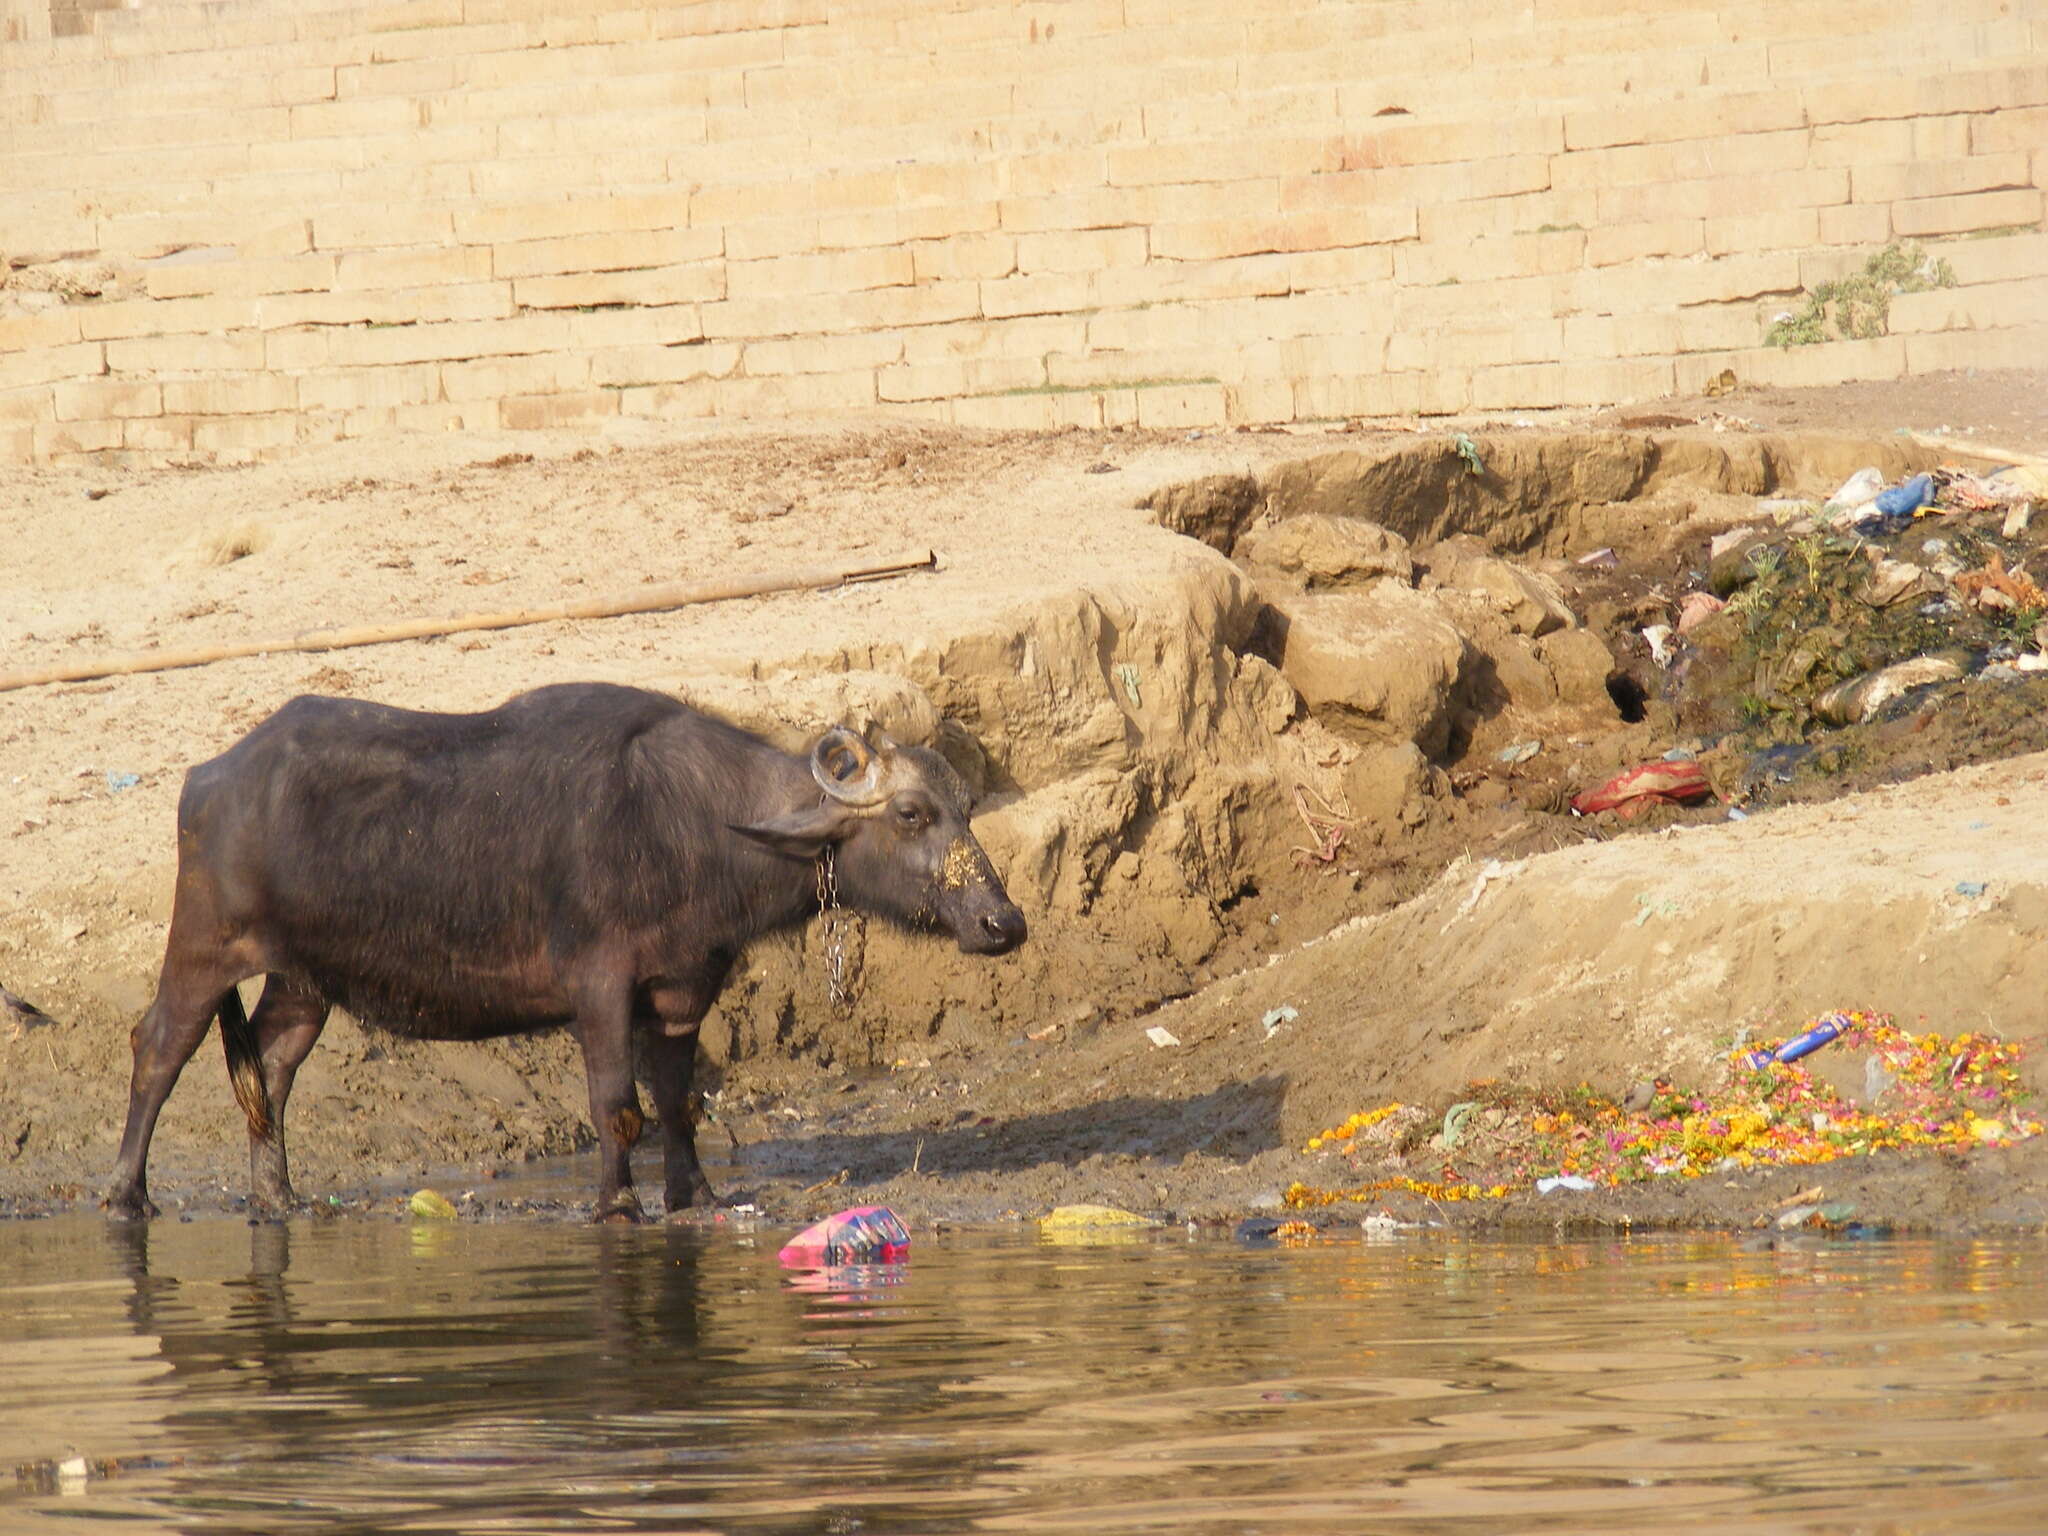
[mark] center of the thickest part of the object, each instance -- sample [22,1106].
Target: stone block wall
[233,227]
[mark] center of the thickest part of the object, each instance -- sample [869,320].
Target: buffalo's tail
[245,1064]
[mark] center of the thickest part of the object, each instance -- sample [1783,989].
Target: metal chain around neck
[838,925]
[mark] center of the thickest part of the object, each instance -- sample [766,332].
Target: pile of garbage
[1817,619]
[1920,1090]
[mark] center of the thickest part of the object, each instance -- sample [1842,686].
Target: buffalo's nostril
[1006,929]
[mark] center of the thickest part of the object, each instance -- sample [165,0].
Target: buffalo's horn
[846,768]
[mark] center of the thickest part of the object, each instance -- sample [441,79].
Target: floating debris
[1934,1091]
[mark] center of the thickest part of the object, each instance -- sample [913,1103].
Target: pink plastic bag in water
[861,1234]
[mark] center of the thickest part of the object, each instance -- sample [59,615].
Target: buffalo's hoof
[129,1205]
[622,1210]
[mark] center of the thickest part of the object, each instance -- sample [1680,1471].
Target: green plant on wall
[1858,307]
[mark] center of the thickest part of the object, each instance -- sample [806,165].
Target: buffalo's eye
[910,817]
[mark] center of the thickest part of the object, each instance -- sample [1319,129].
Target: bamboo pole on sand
[653,599]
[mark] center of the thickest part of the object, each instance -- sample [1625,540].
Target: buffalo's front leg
[671,1062]
[604,1028]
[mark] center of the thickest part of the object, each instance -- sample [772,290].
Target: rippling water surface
[363,1376]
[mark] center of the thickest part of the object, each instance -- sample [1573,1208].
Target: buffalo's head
[894,820]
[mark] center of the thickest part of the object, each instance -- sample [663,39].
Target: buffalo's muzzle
[997,933]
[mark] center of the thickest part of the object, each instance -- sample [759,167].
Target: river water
[366,1375]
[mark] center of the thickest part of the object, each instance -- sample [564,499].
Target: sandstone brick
[157,434]
[452,341]
[1509,256]
[379,226]
[230,394]
[1792,229]
[937,381]
[1945,138]
[632,326]
[1722,196]
[1718,327]
[297,274]
[1211,239]
[695,398]
[1882,183]
[1181,405]
[1036,412]
[1856,225]
[231,351]
[600,133]
[494,378]
[1997,260]
[1471,346]
[404,306]
[412,268]
[823,354]
[360,389]
[1436,392]
[444,416]
[642,286]
[534,412]
[1982,307]
[1534,213]
[54,440]
[17,444]
[300,347]
[1080,250]
[964,256]
[1609,245]
[1974,210]
[588,215]
[37,402]
[828,272]
[760,239]
[354,119]
[1027,336]
[609,252]
[49,328]
[1543,385]
[1489,137]
[1259,400]
[2020,346]
[46,365]
[1933,95]
[1738,154]
[1588,338]
[1042,293]
[1138,165]
[1705,118]
[631,366]
[795,394]
[2019,129]
[1833,362]
[1866,143]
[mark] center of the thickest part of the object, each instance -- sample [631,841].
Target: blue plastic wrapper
[1827,1029]
[1893,509]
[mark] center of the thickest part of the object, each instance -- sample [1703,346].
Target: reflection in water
[359,1376]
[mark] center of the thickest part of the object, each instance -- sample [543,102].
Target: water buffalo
[584,854]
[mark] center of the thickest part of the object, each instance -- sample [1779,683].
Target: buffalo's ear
[801,834]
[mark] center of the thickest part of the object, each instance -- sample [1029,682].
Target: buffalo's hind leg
[671,1062]
[188,994]
[604,1029]
[282,1031]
